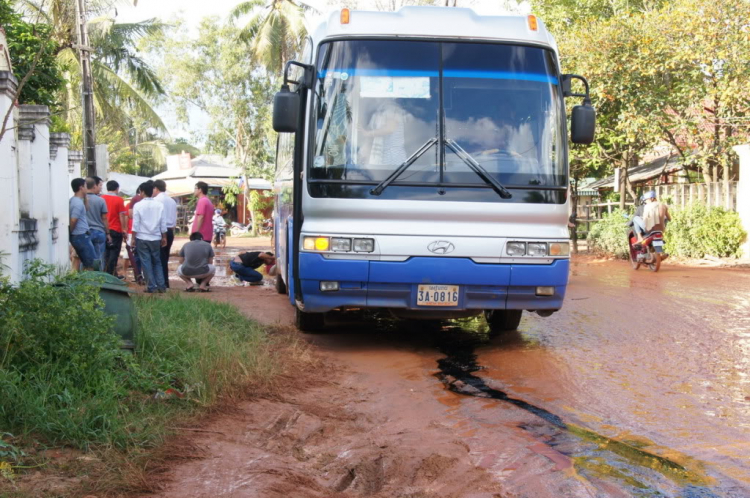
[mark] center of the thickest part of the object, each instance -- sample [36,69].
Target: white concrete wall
[9,206]
[34,167]
[59,146]
[743,193]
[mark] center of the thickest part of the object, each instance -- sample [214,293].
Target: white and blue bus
[422,167]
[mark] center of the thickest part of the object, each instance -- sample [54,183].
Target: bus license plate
[437,295]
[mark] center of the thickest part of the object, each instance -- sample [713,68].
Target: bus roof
[434,22]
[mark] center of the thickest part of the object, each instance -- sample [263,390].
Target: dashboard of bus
[437,120]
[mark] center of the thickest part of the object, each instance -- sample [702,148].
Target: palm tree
[275,30]
[123,82]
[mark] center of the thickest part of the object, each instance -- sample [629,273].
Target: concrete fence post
[59,187]
[35,190]
[75,158]
[9,257]
[743,193]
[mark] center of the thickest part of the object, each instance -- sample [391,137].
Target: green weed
[66,382]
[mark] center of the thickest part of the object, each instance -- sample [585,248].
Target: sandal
[203,290]
[190,289]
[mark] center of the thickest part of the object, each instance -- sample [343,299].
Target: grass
[192,355]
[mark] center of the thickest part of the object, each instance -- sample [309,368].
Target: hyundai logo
[441,247]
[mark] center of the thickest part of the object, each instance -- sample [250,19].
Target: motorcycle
[238,229]
[649,251]
[267,226]
[220,236]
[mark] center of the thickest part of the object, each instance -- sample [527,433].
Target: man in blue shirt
[80,238]
[96,215]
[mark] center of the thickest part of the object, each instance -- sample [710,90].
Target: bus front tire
[503,320]
[309,322]
[280,285]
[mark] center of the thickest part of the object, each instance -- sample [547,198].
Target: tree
[709,47]
[33,61]
[124,84]
[275,31]
[215,73]
[25,41]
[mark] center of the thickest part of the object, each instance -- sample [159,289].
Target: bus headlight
[516,248]
[364,245]
[316,243]
[341,245]
[537,249]
[559,249]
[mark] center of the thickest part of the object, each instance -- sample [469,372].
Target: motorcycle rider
[220,229]
[638,226]
[655,213]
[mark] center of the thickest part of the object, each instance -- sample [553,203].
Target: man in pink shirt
[204,212]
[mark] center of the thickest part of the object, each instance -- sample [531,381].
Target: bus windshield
[381,103]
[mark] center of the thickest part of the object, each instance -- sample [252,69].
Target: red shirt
[136,198]
[115,206]
[206,208]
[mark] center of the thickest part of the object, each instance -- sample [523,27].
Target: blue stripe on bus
[448,73]
[499,75]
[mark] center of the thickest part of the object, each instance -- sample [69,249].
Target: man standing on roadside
[117,217]
[150,234]
[79,226]
[96,213]
[170,212]
[204,212]
[196,262]
[129,241]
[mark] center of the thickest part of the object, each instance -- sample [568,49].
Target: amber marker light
[533,25]
[344,16]
[322,243]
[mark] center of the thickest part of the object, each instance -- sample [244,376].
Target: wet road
[639,387]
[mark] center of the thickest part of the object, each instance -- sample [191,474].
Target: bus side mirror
[583,124]
[583,117]
[286,110]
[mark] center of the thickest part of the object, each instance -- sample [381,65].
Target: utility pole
[87,90]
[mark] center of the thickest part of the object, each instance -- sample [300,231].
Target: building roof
[128,183]
[216,171]
[202,167]
[643,172]
[584,188]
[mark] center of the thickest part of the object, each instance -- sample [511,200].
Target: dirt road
[639,387]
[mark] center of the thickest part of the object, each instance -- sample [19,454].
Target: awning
[663,165]
[186,186]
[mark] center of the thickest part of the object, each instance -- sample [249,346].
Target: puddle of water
[594,456]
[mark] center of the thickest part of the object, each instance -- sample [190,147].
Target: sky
[192,11]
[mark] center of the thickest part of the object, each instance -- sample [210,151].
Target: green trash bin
[117,302]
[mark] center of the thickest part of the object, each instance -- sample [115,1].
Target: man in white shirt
[170,213]
[150,235]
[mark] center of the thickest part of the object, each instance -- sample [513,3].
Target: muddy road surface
[640,387]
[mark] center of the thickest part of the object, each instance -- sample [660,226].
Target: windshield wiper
[478,169]
[384,184]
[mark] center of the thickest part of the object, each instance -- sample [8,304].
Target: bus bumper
[386,284]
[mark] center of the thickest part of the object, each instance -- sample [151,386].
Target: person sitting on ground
[196,262]
[244,265]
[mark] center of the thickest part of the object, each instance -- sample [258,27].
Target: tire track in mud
[595,457]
